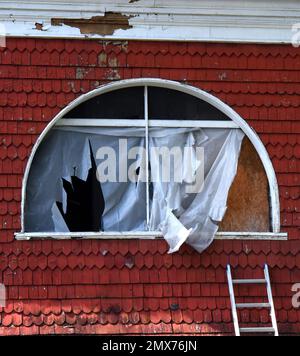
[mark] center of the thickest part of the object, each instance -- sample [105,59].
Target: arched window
[123,124]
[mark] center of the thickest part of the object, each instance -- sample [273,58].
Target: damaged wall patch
[100,25]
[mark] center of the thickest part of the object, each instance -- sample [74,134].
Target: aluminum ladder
[270,305]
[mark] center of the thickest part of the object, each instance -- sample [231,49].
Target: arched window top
[199,106]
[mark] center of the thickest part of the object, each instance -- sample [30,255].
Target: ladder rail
[271,301]
[233,303]
[269,305]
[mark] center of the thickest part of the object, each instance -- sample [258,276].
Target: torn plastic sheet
[179,215]
[194,218]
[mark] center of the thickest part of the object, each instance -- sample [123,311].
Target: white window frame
[236,122]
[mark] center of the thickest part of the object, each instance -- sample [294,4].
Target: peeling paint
[112,74]
[123,45]
[113,62]
[39,26]
[223,76]
[102,59]
[72,86]
[96,84]
[246,249]
[101,25]
[81,73]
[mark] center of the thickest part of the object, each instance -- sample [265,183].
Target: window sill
[256,236]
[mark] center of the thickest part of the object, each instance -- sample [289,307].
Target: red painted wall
[134,286]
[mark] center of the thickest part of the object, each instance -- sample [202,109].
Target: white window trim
[263,236]
[238,122]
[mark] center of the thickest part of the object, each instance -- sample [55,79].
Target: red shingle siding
[134,286]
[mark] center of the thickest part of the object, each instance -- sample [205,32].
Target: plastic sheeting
[181,216]
[55,160]
[194,218]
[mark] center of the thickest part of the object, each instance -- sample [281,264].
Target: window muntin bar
[141,123]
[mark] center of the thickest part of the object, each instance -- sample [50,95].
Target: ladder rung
[249,281]
[257,330]
[253,305]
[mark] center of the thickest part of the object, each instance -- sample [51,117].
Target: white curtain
[180,215]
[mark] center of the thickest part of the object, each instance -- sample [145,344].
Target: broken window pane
[85,203]
[88,179]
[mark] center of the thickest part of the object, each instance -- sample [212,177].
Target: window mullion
[146,107]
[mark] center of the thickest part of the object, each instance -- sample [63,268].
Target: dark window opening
[120,104]
[168,104]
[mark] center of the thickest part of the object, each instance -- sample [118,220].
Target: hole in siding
[101,25]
